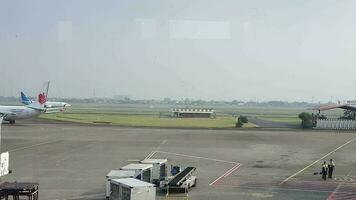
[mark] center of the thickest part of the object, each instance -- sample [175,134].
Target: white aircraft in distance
[49,105]
[12,113]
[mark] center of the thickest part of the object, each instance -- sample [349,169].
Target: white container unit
[117,174]
[143,171]
[131,189]
[159,170]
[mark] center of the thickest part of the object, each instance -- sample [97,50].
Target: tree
[241,121]
[348,114]
[307,120]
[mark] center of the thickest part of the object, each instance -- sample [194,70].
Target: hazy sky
[217,49]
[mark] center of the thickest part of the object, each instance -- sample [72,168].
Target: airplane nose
[67,105]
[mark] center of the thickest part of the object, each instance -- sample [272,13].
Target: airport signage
[4,164]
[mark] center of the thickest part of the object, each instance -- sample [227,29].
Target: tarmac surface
[269,124]
[70,161]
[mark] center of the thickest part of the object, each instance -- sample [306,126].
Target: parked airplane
[12,113]
[49,104]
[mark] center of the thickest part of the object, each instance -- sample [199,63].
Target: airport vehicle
[144,171]
[159,169]
[117,174]
[181,182]
[49,105]
[131,189]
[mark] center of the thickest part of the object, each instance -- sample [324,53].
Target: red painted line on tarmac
[334,193]
[341,196]
[331,196]
[227,173]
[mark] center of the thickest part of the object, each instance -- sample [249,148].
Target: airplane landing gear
[12,121]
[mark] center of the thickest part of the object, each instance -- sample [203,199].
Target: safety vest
[324,166]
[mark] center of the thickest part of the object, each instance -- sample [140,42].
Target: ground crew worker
[331,168]
[324,170]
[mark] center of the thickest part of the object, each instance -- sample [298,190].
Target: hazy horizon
[220,50]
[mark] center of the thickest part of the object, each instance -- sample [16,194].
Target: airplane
[13,113]
[50,105]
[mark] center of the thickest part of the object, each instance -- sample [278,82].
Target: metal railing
[336,124]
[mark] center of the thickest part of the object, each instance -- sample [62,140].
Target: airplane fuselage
[18,112]
[55,104]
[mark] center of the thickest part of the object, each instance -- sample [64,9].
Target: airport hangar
[193,113]
[335,123]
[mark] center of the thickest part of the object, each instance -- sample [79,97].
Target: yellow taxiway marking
[313,163]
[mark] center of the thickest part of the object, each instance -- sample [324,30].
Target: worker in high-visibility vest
[331,168]
[324,170]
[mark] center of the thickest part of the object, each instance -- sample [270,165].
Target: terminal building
[193,113]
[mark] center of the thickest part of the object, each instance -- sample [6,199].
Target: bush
[306,120]
[238,124]
[241,121]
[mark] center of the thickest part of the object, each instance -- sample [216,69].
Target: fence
[336,124]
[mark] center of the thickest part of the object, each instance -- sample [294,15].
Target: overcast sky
[217,49]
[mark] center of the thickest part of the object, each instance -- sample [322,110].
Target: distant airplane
[49,105]
[31,108]
[12,113]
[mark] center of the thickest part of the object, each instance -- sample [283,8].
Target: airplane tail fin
[25,100]
[41,99]
[42,96]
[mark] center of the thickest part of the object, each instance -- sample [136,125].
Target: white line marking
[133,161]
[87,196]
[236,168]
[35,145]
[150,155]
[281,189]
[153,152]
[163,142]
[227,173]
[331,196]
[198,157]
[313,163]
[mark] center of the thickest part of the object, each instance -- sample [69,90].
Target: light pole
[1,119]
[4,157]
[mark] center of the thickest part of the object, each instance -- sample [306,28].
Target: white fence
[336,124]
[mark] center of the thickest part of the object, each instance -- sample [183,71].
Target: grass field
[145,120]
[159,115]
